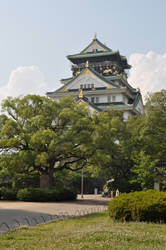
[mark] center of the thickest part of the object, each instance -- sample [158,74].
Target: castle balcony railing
[104,64]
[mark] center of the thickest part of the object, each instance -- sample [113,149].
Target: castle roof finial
[87,64]
[81,94]
[95,36]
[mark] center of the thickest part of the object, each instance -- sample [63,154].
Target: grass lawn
[94,231]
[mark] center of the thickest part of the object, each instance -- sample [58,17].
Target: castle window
[81,86]
[84,86]
[92,86]
[109,98]
[88,86]
[94,50]
[97,99]
[92,99]
[114,98]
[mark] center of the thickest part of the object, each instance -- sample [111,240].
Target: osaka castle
[99,78]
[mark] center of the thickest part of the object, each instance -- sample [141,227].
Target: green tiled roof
[137,98]
[64,81]
[99,43]
[118,107]
[87,55]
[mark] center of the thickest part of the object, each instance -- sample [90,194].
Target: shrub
[39,194]
[147,205]
[8,194]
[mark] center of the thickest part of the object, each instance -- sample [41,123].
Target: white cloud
[22,81]
[148,72]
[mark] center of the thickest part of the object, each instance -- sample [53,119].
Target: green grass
[95,231]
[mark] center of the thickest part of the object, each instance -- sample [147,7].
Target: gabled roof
[84,99]
[97,49]
[102,50]
[92,71]
[95,42]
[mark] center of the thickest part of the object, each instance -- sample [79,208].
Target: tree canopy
[39,134]
[147,140]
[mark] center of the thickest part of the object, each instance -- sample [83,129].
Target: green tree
[143,170]
[39,135]
[112,156]
[147,141]
[154,131]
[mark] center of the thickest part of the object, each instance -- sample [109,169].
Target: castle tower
[102,75]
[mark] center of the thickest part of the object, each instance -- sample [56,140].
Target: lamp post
[82,183]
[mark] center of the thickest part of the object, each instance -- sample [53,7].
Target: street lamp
[82,183]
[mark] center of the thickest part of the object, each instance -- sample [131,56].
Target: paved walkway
[16,211]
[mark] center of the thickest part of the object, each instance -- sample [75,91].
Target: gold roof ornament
[81,94]
[109,87]
[95,36]
[87,64]
[78,72]
[65,90]
[106,71]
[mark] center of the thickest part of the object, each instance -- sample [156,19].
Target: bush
[147,206]
[39,194]
[8,194]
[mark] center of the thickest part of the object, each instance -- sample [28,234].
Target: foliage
[152,128]
[112,155]
[144,171]
[139,206]
[20,181]
[39,135]
[8,194]
[39,194]
[146,141]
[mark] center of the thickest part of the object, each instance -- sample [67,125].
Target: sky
[37,35]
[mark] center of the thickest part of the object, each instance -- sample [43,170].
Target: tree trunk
[46,180]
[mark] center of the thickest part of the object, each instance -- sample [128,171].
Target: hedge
[8,194]
[39,194]
[147,206]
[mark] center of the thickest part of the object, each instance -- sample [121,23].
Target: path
[12,212]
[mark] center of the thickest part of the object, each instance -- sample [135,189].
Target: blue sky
[43,32]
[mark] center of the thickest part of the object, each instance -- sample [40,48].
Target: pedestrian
[117,193]
[106,191]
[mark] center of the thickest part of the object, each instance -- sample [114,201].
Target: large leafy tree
[154,131]
[147,140]
[40,135]
[112,157]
